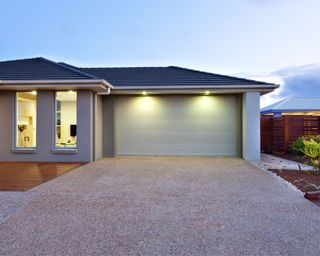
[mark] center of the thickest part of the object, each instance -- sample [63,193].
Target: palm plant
[311,149]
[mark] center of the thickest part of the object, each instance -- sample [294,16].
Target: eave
[289,111]
[190,89]
[97,85]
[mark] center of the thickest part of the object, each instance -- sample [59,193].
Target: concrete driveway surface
[161,206]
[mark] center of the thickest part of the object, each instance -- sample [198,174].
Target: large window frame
[18,130]
[56,121]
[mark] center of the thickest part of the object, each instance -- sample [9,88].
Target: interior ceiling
[66,96]
[26,96]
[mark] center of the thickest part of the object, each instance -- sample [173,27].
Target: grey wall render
[108,125]
[98,129]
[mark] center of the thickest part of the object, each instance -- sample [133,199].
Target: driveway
[162,206]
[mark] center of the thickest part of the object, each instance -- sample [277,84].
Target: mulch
[300,179]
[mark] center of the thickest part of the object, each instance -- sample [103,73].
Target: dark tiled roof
[165,76]
[38,69]
[43,69]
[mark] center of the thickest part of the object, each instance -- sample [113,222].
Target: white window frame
[15,120]
[62,149]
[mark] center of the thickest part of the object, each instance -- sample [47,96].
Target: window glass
[26,119]
[66,119]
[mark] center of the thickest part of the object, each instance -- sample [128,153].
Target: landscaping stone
[277,163]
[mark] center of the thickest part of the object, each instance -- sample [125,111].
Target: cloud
[296,81]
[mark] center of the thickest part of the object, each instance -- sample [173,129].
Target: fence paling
[277,133]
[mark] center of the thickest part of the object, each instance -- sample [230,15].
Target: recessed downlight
[206,92]
[144,93]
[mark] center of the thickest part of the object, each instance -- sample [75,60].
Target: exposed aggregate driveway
[162,206]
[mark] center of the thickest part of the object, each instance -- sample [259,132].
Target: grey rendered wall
[6,124]
[251,126]
[108,125]
[45,129]
[98,118]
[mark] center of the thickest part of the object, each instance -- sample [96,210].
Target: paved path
[163,206]
[278,163]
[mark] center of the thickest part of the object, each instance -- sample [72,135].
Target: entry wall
[45,130]
[251,126]
[108,125]
[98,127]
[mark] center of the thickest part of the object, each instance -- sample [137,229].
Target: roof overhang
[103,87]
[97,85]
[289,111]
[190,89]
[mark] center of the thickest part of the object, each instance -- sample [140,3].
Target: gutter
[271,86]
[288,111]
[117,90]
[103,87]
[99,85]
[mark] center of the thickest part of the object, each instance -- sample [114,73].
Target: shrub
[297,146]
[316,138]
[312,151]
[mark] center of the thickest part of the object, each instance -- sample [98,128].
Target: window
[26,119]
[66,119]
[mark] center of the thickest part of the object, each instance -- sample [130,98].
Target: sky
[269,40]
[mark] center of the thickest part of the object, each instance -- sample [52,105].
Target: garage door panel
[151,125]
[177,125]
[172,138]
[187,149]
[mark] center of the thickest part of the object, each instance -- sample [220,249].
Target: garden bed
[301,180]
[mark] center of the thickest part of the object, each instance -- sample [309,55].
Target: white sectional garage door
[177,125]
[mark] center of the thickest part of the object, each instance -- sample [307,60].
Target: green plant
[316,138]
[311,149]
[297,146]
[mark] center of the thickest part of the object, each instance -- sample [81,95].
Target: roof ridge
[275,104]
[34,58]
[75,69]
[67,67]
[123,67]
[210,73]
[281,102]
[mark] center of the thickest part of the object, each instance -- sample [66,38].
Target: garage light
[34,92]
[144,93]
[206,92]
[70,92]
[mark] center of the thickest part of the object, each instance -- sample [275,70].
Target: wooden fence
[278,133]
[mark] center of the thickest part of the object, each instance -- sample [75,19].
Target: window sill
[24,150]
[64,151]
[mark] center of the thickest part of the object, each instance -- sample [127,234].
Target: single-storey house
[293,106]
[286,120]
[55,112]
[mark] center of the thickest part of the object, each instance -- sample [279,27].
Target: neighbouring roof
[165,76]
[38,69]
[293,105]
